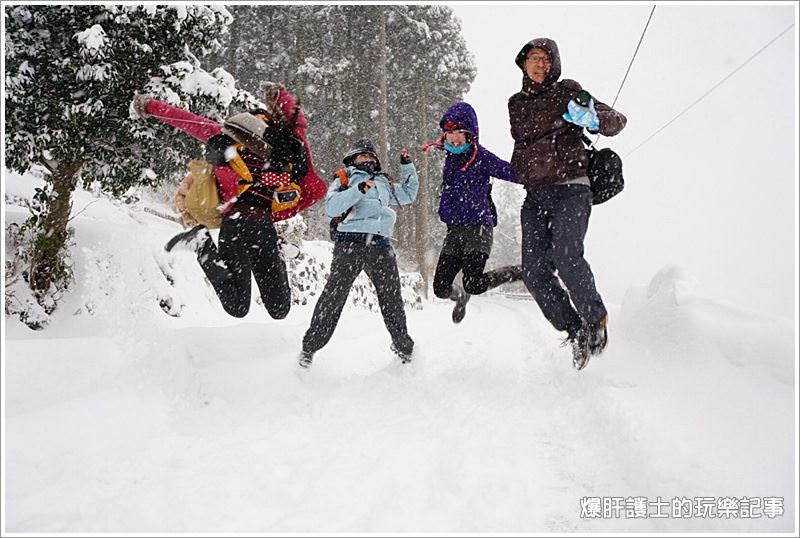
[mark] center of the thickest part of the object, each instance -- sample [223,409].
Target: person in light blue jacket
[358,201]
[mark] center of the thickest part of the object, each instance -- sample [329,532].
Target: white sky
[714,193]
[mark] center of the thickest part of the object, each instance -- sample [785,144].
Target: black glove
[215,148]
[405,159]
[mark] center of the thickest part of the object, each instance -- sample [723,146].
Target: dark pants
[380,264]
[554,224]
[247,244]
[466,249]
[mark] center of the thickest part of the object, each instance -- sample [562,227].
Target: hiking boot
[579,344]
[597,336]
[461,299]
[405,357]
[192,239]
[305,359]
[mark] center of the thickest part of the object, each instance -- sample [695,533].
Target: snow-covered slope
[122,418]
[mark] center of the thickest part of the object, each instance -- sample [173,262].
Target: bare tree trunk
[382,75]
[45,260]
[423,202]
[233,47]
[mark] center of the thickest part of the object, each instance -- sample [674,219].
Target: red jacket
[312,187]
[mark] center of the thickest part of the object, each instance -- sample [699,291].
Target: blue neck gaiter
[456,149]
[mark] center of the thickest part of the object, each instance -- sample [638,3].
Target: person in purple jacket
[467,209]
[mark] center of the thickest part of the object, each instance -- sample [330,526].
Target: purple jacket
[465,190]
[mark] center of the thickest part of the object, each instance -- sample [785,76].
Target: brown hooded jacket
[547,148]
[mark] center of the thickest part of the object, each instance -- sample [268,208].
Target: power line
[633,57]
[717,85]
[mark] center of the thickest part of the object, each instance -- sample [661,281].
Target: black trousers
[248,244]
[380,264]
[467,249]
[471,264]
[554,224]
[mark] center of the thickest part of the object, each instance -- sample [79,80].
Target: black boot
[579,343]
[461,298]
[192,239]
[305,359]
[597,336]
[404,356]
[504,275]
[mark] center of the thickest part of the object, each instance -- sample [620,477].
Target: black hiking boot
[461,299]
[579,343]
[305,359]
[504,275]
[405,357]
[192,239]
[597,336]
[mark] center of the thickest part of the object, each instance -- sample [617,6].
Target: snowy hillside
[122,418]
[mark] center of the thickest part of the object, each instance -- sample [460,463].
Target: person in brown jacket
[548,117]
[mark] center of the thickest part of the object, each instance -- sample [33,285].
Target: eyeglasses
[537,59]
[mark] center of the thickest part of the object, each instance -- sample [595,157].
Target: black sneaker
[305,359]
[404,357]
[597,336]
[191,239]
[461,299]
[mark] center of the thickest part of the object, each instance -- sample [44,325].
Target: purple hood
[465,184]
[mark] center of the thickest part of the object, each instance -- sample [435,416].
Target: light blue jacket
[371,213]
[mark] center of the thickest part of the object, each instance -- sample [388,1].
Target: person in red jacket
[255,156]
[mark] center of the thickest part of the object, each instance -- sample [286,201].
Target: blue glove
[583,116]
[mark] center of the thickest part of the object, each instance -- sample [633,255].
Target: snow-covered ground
[121,418]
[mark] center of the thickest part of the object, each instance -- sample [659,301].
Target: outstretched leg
[227,266]
[348,261]
[268,268]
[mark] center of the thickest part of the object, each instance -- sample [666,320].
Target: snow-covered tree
[382,72]
[71,71]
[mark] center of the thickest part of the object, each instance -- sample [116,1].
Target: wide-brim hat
[249,130]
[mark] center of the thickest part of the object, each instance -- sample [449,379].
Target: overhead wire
[714,87]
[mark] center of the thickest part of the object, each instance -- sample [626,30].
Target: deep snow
[121,418]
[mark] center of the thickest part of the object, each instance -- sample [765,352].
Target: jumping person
[550,160]
[362,244]
[467,210]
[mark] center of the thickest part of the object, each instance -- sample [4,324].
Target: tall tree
[71,71]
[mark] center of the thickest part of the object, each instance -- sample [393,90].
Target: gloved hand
[221,149]
[405,156]
[364,186]
[138,106]
[583,116]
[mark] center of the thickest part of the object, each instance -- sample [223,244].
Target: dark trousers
[554,224]
[248,244]
[466,249]
[380,264]
[471,264]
